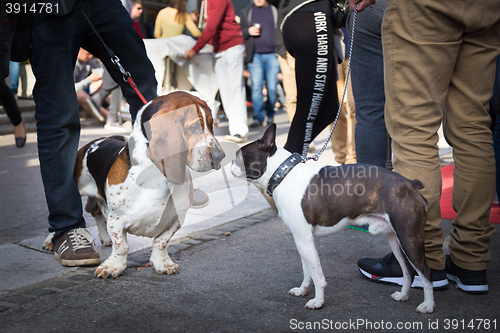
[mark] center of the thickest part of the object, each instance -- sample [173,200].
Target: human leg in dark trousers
[316,73]
[10,106]
[367,78]
[55,45]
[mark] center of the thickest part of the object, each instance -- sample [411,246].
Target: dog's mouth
[238,166]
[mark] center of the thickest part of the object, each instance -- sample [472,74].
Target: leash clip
[116,61]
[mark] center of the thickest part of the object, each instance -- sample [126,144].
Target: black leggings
[9,103]
[309,38]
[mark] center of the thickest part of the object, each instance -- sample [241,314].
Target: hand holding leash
[362,4]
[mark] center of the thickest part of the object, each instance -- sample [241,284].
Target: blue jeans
[54,49]
[264,67]
[14,76]
[367,79]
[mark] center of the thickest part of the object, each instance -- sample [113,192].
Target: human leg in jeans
[257,71]
[264,67]
[15,68]
[55,45]
[272,68]
[367,78]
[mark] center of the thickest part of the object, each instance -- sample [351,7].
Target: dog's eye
[194,129]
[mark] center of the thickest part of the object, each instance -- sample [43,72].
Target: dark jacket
[15,29]
[245,19]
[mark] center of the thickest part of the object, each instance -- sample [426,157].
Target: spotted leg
[160,260]
[116,264]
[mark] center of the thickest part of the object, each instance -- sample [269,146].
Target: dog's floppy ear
[168,148]
[269,138]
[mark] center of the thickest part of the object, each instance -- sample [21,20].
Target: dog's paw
[399,297]
[167,269]
[425,307]
[106,242]
[47,243]
[110,269]
[315,303]
[298,291]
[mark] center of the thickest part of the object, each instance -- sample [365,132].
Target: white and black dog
[314,200]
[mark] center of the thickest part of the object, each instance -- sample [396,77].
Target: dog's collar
[282,171]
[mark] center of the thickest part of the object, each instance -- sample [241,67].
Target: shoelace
[79,241]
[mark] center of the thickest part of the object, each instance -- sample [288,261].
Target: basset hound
[141,184]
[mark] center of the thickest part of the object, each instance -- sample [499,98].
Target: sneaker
[200,199]
[472,282]
[236,138]
[256,124]
[76,248]
[270,121]
[388,270]
[94,109]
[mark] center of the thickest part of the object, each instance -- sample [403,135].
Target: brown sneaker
[76,248]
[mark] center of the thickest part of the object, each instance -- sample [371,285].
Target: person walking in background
[259,25]
[10,106]
[439,67]
[224,33]
[172,20]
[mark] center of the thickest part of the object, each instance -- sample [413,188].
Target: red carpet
[447,211]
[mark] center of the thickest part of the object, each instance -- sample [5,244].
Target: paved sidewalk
[239,283]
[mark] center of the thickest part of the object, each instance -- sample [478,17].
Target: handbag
[340,9]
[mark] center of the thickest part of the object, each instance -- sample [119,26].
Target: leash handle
[115,60]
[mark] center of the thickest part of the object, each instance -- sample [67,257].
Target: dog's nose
[217,156]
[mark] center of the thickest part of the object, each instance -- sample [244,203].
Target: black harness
[282,171]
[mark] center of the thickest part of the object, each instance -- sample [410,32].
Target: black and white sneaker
[472,282]
[388,270]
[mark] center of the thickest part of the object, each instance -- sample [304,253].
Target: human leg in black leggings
[309,38]
[9,103]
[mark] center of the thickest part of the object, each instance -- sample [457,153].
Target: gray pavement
[237,262]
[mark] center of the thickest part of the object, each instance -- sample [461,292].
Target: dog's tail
[418,185]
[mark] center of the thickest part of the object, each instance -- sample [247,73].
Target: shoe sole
[237,140]
[398,281]
[94,111]
[471,289]
[200,206]
[81,262]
